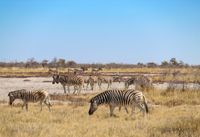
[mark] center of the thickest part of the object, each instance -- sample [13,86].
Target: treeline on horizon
[56,63]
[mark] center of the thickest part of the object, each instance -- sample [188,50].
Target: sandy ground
[11,84]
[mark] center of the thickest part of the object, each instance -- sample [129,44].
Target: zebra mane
[98,98]
[15,91]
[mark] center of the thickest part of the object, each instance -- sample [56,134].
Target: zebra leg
[120,108]
[80,89]
[87,86]
[92,86]
[75,88]
[84,87]
[26,106]
[23,105]
[41,105]
[64,89]
[133,110]
[126,110]
[68,89]
[112,107]
[108,85]
[99,84]
[48,104]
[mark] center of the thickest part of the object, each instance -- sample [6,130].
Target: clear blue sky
[88,31]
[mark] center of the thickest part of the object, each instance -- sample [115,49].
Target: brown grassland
[172,114]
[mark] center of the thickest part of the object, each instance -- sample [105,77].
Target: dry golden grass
[72,120]
[174,98]
[185,74]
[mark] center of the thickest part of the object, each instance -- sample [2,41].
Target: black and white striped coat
[140,82]
[107,80]
[90,81]
[119,98]
[26,96]
[68,80]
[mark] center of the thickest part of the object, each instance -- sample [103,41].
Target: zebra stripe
[30,96]
[101,80]
[68,80]
[119,98]
[140,82]
[90,81]
[129,82]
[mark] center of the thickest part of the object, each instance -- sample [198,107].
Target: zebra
[129,82]
[117,79]
[120,79]
[119,98]
[141,82]
[101,80]
[68,80]
[30,96]
[90,81]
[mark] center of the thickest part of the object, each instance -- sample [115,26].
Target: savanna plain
[173,112]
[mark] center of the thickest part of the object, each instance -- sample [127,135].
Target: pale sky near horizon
[100,31]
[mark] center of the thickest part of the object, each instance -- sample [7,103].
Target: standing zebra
[90,81]
[140,82]
[119,98]
[68,80]
[30,96]
[107,80]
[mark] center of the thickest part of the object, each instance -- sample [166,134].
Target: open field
[10,84]
[72,120]
[172,113]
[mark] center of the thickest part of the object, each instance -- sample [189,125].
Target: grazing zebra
[141,82]
[119,98]
[107,80]
[30,96]
[90,81]
[68,80]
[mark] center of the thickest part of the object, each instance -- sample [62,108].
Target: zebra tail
[145,105]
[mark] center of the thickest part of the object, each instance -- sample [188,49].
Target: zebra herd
[112,97]
[78,82]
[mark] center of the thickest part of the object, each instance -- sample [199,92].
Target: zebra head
[129,82]
[93,107]
[55,79]
[11,98]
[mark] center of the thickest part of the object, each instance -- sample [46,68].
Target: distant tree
[151,64]
[71,63]
[61,62]
[31,63]
[44,63]
[173,62]
[139,64]
[181,63]
[53,63]
[164,63]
